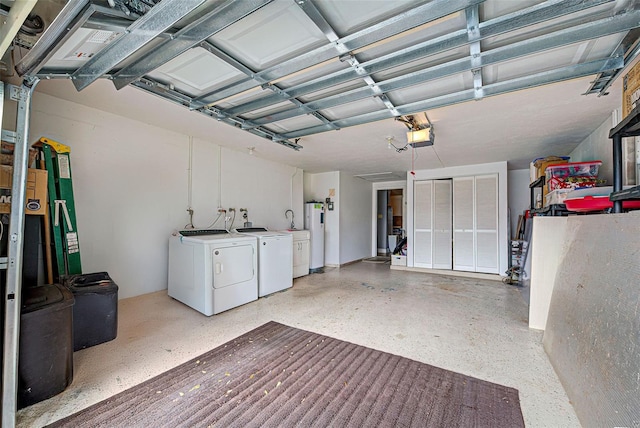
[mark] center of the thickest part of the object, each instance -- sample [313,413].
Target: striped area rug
[279,376]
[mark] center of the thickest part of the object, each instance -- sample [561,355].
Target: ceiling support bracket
[475,50]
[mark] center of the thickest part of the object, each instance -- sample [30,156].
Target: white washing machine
[213,270]
[275,259]
[301,251]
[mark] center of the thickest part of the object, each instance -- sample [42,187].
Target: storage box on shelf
[572,175]
[630,90]
[595,199]
[557,196]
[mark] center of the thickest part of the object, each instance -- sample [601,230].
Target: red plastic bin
[596,203]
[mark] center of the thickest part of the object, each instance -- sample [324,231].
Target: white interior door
[464,224]
[423,219]
[442,222]
[486,234]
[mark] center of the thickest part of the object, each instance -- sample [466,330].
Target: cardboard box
[631,90]
[36,195]
[6,154]
[398,260]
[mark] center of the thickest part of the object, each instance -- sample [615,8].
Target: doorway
[389,220]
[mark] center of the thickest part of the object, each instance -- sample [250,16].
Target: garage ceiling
[286,75]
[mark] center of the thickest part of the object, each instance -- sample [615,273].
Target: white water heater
[314,223]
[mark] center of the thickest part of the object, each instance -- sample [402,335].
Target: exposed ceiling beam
[176,97]
[629,48]
[417,16]
[593,30]
[538,79]
[315,15]
[503,24]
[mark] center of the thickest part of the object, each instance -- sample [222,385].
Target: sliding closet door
[442,233]
[487,223]
[423,220]
[464,224]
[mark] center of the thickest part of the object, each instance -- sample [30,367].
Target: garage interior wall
[131,186]
[519,198]
[347,227]
[355,218]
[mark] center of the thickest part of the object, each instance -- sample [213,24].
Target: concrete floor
[476,327]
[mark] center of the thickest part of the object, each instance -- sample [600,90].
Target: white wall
[317,187]
[519,195]
[598,146]
[499,168]
[131,186]
[355,218]
[263,187]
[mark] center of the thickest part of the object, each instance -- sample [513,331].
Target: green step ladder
[61,206]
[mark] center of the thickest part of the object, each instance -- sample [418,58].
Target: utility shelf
[551,210]
[628,127]
[626,194]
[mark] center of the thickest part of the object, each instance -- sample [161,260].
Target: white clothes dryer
[275,259]
[213,270]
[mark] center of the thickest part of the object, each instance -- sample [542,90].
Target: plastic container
[95,314]
[573,169]
[45,364]
[557,196]
[572,175]
[596,203]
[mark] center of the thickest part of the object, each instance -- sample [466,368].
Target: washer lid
[251,229]
[260,232]
[217,238]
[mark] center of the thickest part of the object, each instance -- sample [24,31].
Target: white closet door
[442,233]
[423,221]
[486,194]
[464,224]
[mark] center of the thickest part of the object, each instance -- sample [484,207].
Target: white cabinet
[456,224]
[423,230]
[475,224]
[432,233]
[300,258]
[463,223]
[301,251]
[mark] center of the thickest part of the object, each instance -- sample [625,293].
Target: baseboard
[343,264]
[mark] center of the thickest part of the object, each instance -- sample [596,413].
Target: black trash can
[95,313]
[45,365]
